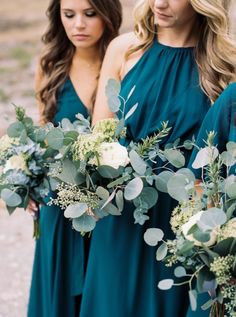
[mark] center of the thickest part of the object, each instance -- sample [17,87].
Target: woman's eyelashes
[88,13]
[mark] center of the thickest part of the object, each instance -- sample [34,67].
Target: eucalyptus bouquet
[94,174]
[203,250]
[23,172]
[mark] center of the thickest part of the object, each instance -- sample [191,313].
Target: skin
[84,28]
[177,27]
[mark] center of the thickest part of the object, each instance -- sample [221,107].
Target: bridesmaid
[66,81]
[180,58]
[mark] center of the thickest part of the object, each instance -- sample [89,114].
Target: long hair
[56,61]
[215,52]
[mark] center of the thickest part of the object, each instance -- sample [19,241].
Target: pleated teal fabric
[58,269]
[122,273]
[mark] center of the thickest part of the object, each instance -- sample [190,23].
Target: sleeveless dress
[60,253]
[122,272]
[220,118]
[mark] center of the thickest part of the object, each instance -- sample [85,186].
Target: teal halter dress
[60,253]
[220,118]
[122,272]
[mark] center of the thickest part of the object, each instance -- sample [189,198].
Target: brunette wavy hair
[58,53]
[215,52]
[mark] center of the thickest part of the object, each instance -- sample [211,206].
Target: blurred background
[22,24]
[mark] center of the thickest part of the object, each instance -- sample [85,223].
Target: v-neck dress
[122,273]
[59,262]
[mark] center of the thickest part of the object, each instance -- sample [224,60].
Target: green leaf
[186,247]
[11,198]
[153,235]
[193,299]
[148,195]
[84,223]
[67,125]
[70,137]
[137,163]
[225,247]
[69,174]
[119,181]
[55,139]
[228,159]
[113,87]
[120,127]
[211,219]
[175,157]
[180,271]
[120,200]
[107,171]
[162,180]
[16,129]
[208,304]
[165,284]
[114,103]
[231,190]
[188,145]
[112,210]
[38,135]
[75,210]
[176,187]
[102,193]
[131,111]
[203,276]
[161,252]
[133,189]
[231,147]
[190,177]
[205,156]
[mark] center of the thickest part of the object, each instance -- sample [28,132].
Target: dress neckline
[70,82]
[177,48]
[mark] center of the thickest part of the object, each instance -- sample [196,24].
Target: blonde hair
[215,52]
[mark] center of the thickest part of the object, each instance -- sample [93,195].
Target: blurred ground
[21,26]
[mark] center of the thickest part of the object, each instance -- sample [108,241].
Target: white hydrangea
[16,162]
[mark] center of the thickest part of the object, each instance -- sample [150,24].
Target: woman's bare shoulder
[123,42]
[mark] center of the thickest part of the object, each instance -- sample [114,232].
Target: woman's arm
[113,63]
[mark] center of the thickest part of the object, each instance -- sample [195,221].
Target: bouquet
[94,174]
[22,161]
[204,247]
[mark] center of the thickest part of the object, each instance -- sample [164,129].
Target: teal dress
[122,272]
[60,253]
[220,118]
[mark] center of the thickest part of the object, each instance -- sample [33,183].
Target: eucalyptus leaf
[153,235]
[211,218]
[149,195]
[70,137]
[193,299]
[120,127]
[205,156]
[131,92]
[75,210]
[140,215]
[190,177]
[114,103]
[137,163]
[133,189]
[110,198]
[120,200]
[111,209]
[176,187]
[161,252]
[69,174]
[180,271]
[131,111]
[55,138]
[16,129]
[165,284]
[175,157]
[11,198]
[113,87]
[107,171]
[227,158]
[85,223]
[231,147]
[162,179]
[231,190]
[102,193]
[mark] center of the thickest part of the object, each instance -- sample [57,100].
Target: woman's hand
[32,207]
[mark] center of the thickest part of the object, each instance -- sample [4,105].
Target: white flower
[228,230]
[188,225]
[16,162]
[113,154]
[6,142]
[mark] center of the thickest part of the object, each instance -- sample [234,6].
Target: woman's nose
[80,22]
[161,3]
